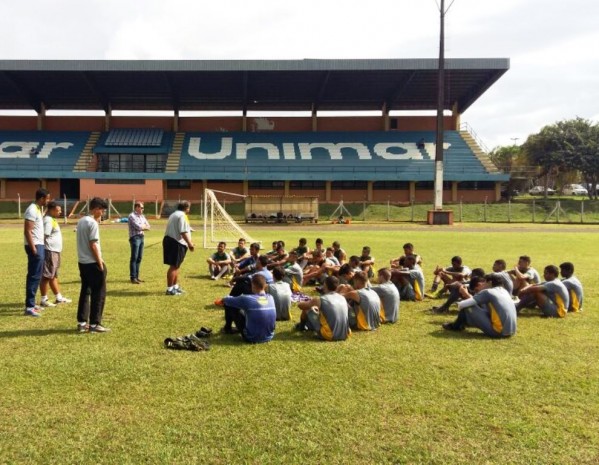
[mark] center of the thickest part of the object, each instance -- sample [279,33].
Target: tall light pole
[440,109]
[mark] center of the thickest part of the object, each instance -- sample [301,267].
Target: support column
[43,183]
[286,188]
[107,118]
[369,191]
[497,191]
[457,118]
[314,120]
[2,188]
[327,191]
[41,117]
[386,123]
[176,121]
[454,191]
[246,188]
[244,121]
[412,190]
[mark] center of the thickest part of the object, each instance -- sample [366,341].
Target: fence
[562,211]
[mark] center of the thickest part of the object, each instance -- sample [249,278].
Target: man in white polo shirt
[92,270]
[34,248]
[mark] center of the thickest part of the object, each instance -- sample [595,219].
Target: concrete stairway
[479,153]
[174,157]
[86,157]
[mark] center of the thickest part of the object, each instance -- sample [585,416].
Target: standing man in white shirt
[92,270]
[34,248]
[137,225]
[53,246]
[177,240]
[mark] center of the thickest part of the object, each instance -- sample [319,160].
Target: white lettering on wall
[225,149]
[334,150]
[242,149]
[26,149]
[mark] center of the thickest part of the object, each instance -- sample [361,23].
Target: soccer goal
[218,224]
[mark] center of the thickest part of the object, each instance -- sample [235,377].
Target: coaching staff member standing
[34,248]
[92,270]
[137,223]
[177,240]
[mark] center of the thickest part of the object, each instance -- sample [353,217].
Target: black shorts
[173,252]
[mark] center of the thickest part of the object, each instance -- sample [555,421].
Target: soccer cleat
[213,278]
[32,312]
[63,300]
[178,290]
[82,327]
[171,292]
[98,329]
[452,327]
[47,303]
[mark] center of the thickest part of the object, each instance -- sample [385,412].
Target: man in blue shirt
[254,315]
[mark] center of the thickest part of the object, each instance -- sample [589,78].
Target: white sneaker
[47,303]
[63,300]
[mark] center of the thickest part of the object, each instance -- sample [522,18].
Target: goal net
[218,224]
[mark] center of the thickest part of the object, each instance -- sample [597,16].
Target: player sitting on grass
[500,269]
[303,252]
[573,285]
[551,296]
[457,272]
[364,304]
[313,271]
[491,309]
[293,272]
[389,296]
[339,253]
[524,275]
[240,252]
[326,315]
[254,315]
[248,264]
[219,263]
[281,293]
[409,280]
[454,291]
[408,250]
[367,262]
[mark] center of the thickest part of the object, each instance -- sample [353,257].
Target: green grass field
[407,393]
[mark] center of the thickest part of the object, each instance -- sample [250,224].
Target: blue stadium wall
[352,165]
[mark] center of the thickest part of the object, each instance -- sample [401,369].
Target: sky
[554,66]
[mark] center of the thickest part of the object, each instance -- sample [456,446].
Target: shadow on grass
[471,333]
[37,332]
[11,308]
[131,293]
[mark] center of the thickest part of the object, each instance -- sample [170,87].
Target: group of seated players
[263,287]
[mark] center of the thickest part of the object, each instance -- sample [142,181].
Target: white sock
[176,286]
[59,296]
[44,298]
[170,288]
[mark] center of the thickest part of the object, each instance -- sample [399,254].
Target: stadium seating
[134,138]
[40,153]
[460,162]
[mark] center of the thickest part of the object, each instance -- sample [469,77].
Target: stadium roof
[244,85]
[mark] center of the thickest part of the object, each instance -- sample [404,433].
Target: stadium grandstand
[350,158]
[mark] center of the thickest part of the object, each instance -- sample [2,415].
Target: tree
[569,145]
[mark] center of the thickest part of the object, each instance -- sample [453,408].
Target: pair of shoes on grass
[203,332]
[85,328]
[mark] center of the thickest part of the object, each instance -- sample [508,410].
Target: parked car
[540,190]
[574,189]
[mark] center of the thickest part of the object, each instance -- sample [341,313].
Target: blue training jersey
[260,315]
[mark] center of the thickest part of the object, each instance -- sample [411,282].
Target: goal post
[218,224]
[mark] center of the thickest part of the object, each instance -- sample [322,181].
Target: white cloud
[554,60]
